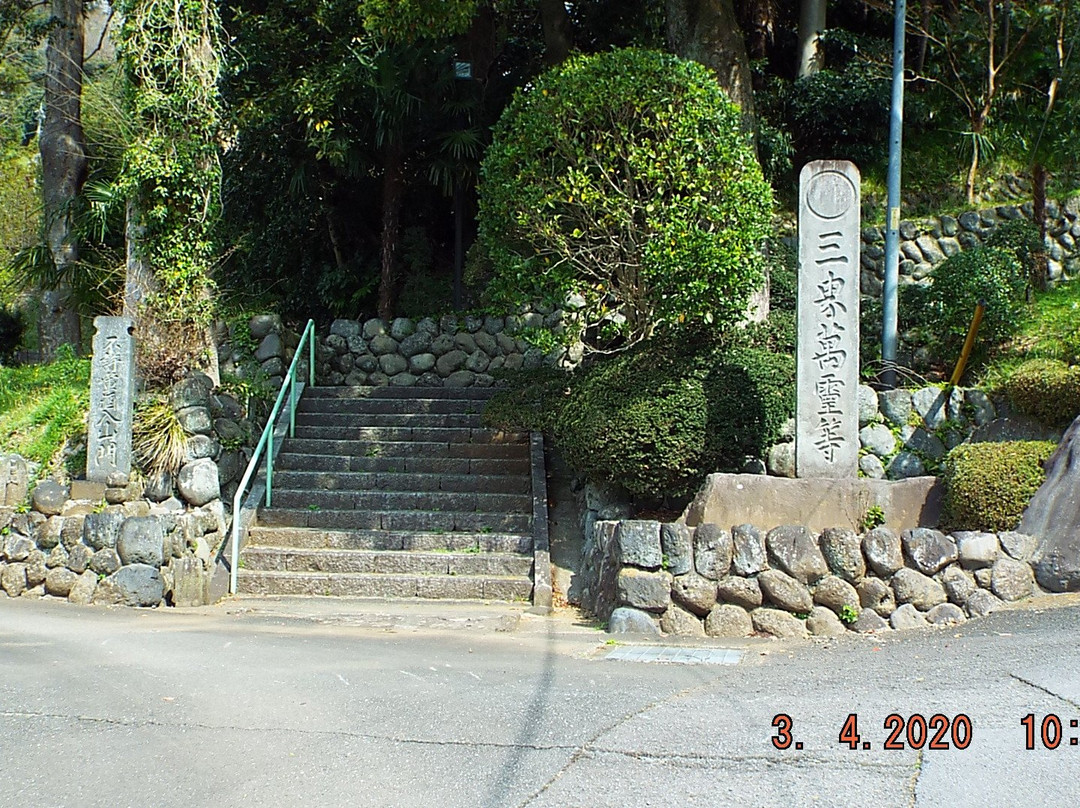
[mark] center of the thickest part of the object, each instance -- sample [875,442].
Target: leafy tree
[623,182]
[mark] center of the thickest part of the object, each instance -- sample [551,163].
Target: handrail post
[269,463]
[311,353]
[292,407]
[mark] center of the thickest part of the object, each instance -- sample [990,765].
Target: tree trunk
[558,37]
[811,26]
[393,187]
[63,170]
[707,32]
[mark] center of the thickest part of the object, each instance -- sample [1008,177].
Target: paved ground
[310,703]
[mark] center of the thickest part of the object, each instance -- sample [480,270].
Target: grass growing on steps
[43,408]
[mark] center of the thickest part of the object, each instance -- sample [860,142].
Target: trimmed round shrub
[1021,238]
[637,420]
[1046,389]
[531,401]
[750,394]
[988,274]
[624,180]
[988,485]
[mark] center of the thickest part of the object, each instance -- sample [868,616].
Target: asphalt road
[269,703]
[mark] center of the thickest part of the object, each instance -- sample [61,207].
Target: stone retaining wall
[653,578]
[449,352]
[906,433]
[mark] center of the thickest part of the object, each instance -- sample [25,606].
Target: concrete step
[321,462]
[364,585]
[427,521]
[401,500]
[352,427]
[315,539]
[389,562]
[451,393]
[401,481]
[389,407]
[404,448]
[392,420]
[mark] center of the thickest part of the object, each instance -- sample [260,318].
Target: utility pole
[892,224]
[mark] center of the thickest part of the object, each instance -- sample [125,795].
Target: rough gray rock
[393,364]
[904,466]
[745,592]
[907,616]
[823,622]
[13,579]
[947,614]
[868,404]
[102,530]
[781,460]
[835,593]
[1054,516]
[49,497]
[36,569]
[728,621]
[877,595]
[922,443]
[189,392]
[793,549]
[712,551]
[842,549]
[895,405]
[777,623]
[461,378]
[198,482]
[648,591]
[984,577]
[141,541]
[382,345]
[877,438]
[195,420]
[872,467]
[977,549]
[450,362]
[49,534]
[929,550]
[917,589]
[695,593]
[79,558]
[931,403]
[1011,580]
[57,557]
[748,557]
[681,623]
[1018,545]
[785,591]
[639,543]
[625,620]
[105,561]
[869,622]
[980,405]
[982,603]
[958,584]
[59,580]
[676,545]
[881,547]
[17,547]
[82,591]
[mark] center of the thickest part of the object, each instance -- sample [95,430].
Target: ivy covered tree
[624,183]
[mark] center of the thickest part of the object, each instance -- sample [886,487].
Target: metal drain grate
[679,656]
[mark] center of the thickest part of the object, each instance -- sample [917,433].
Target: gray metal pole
[892,224]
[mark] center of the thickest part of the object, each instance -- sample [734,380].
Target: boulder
[869,622]
[101,530]
[842,549]
[695,593]
[982,603]
[712,551]
[133,585]
[17,547]
[681,623]
[1053,515]
[639,543]
[82,591]
[929,550]
[648,591]
[59,580]
[913,587]
[79,558]
[792,549]
[745,592]
[947,614]
[748,556]
[823,622]
[49,497]
[105,561]
[780,460]
[1011,580]
[907,616]
[835,593]
[777,623]
[625,620]
[867,399]
[977,549]
[958,584]
[676,545]
[877,439]
[876,595]
[198,481]
[785,591]
[1020,546]
[13,579]
[36,569]
[728,621]
[141,541]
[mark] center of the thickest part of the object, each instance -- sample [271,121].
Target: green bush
[988,274]
[533,400]
[1046,389]
[822,114]
[1021,238]
[988,485]
[624,178]
[783,264]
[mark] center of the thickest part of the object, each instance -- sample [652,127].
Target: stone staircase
[396,493]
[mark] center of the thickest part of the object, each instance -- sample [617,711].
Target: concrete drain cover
[679,656]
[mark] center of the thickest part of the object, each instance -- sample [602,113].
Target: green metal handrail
[267,442]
